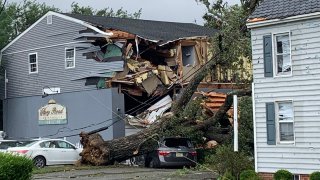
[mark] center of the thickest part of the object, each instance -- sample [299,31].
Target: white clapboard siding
[303,88]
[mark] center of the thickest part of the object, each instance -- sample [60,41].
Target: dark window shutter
[267,56]
[271,125]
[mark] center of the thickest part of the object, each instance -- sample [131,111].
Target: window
[70,57]
[45,144]
[49,19]
[65,145]
[282,54]
[285,121]
[33,63]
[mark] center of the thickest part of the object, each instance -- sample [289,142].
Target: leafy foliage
[282,175]
[15,18]
[233,41]
[249,175]
[176,124]
[15,167]
[315,176]
[227,176]
[108,12]
[226,160]
[246,142]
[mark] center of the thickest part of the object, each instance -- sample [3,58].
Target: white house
[286,71]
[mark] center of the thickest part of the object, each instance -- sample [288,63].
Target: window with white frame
[282,56]
[33,63]
[285,121]
[70,57]
[49,19]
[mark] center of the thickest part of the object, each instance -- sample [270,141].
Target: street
[128,173]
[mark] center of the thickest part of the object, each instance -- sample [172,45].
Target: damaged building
[69,73]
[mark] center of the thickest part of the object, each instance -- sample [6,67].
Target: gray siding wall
[49,42]
[302,157]
[86,108]
[118,114]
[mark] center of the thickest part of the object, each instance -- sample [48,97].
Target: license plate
[179,154]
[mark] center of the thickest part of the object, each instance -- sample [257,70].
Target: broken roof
[279,9]
[158,31]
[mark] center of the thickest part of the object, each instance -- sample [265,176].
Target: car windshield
[177,142]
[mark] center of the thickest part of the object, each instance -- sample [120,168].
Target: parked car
[172,151]
[49,152]
[5,144]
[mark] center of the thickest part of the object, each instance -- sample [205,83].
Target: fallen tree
[96,151]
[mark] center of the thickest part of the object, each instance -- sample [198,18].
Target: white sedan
[49,152]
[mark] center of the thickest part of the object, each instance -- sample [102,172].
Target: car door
[49,150]
[68,152]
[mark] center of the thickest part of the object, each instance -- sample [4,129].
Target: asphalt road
[128,173]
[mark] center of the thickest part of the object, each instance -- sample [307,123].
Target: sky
[187,11]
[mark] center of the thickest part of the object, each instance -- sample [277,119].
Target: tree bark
[193,85]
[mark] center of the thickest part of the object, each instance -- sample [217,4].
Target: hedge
[315,176]
[249,175]
[283,175]
[15,167]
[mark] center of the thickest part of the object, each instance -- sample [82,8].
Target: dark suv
[172,151]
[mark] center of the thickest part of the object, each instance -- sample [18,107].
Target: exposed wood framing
[117,34]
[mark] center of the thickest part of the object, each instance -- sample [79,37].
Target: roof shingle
[279,9]
[148,29]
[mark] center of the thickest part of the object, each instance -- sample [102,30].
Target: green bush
[249,175]
[227,176]
[226,159]
[282,175]
[15,167]
[315,176]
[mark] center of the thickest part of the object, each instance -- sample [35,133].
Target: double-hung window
[282,54]
[285,122]
[70,58]
[280,122]
[277,55]
[33,63]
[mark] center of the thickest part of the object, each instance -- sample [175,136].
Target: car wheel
[39,161]
[153,163]
[146,163]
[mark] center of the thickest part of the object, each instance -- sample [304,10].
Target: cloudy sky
[163,10]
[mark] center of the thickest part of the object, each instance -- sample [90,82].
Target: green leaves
[108,12]
[15,167]
[233,41]
[16,18]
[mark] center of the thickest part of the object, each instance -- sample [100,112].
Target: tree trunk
[96,151]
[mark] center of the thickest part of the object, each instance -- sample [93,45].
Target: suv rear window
[177,142]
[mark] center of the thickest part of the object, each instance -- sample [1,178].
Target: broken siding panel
[51,62]
[303,88]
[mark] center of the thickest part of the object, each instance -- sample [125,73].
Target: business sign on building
[52,113]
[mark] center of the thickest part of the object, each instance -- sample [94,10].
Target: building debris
[144,59]
[153,113]
[213,101]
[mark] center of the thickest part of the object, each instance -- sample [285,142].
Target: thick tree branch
[193,85]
